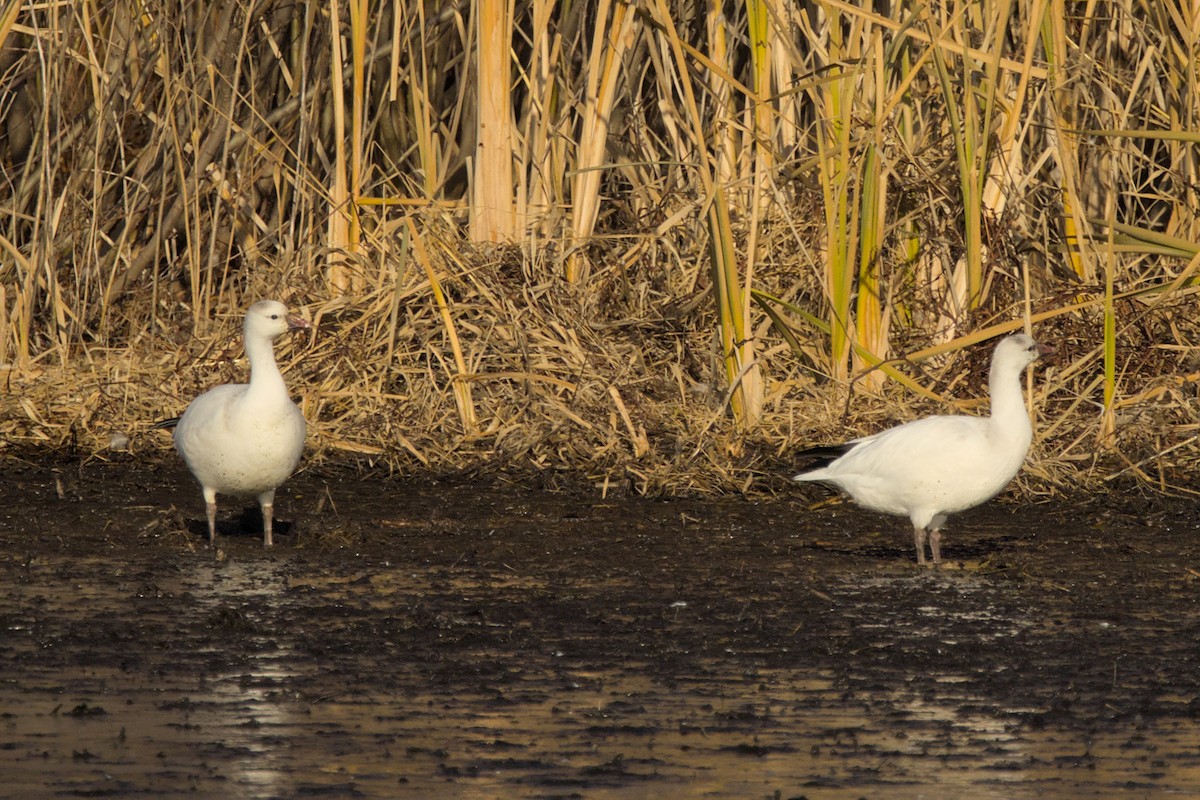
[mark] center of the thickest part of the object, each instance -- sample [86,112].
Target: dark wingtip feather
[822,455]
[827,450]
[165,423]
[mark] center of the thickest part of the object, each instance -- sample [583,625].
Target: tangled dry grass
[619,385]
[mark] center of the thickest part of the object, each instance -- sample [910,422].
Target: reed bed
[653,246]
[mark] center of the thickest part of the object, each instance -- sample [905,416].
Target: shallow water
[242,735]
[481,643]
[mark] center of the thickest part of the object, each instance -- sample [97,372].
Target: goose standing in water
[933,467]
[246,438]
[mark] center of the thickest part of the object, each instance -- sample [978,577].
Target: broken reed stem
[459,384]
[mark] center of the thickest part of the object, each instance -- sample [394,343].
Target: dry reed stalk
[543,155]
[837,179]
[493,215]
[870,320]
[1064,143]
[340,231]
[358,56]
[764,36]
[1108,421]
[8,19]
[637,434]
[459,385]
[970,128]
[1005,167]
[612,36]
[724,116]
[742,371]
[905,28]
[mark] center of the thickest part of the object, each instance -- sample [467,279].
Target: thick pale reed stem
[493,214]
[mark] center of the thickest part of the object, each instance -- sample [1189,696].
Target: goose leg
[210,510]
[935,545]
[267,512]
[919,541]
[267,501]
[935,537]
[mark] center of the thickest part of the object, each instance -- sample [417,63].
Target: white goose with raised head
[246,438]
[933,467]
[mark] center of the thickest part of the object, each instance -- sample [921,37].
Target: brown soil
[425,639]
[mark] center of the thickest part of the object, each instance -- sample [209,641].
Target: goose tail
[820,457]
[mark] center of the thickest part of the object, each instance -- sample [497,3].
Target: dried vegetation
[655,245]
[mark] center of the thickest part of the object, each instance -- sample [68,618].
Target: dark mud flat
[451,641]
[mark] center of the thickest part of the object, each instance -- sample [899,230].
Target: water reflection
[201,718]
[617,736]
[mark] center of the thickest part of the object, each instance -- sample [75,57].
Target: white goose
[933,467]
[246,438]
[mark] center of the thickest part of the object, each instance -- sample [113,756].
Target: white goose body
[941,465]
[247,438]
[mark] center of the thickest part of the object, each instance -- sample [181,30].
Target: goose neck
[265,377]
[1007,397]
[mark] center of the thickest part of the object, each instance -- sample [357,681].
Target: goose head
[1020,350]
[268,319]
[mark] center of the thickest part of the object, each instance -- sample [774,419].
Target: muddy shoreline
[453,639]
